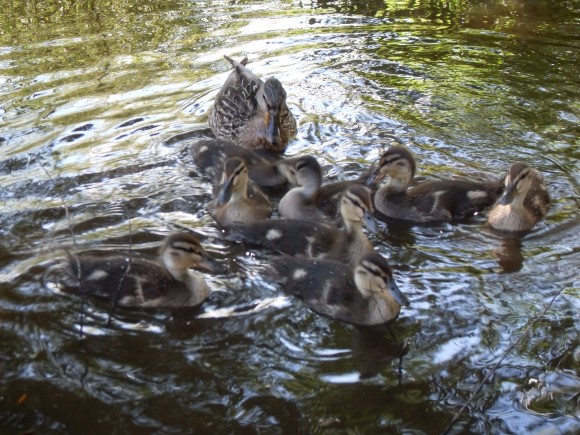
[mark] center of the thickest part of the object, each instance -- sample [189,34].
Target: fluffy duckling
[252,112]
[429,201]
[238,200]
[329,194]
[138,282]
[209,154]
[367,294]
[300,202]
[524,203]
[316,238]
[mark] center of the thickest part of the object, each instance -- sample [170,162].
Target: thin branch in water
[122,280]
[496,366]
[75,253]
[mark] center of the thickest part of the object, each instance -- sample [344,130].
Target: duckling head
[272,97]
[373,276]
[304,170]
[397,163]
[235,180]
[518,183]
[356,207]
[182,251]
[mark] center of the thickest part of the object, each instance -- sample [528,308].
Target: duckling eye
[401,164]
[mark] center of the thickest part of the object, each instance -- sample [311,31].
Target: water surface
[99,101]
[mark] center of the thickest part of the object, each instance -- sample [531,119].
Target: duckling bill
[138,282]
[364,295]
[251,112]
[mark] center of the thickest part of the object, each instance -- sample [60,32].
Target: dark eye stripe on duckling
[186,247]
[235,167]
[375,270]
[359,196]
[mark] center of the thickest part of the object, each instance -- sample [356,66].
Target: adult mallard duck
[238,199]
[138,282]
[428,201]
[251,112]
[365,294]
[524,203]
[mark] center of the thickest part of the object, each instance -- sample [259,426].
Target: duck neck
[399,183]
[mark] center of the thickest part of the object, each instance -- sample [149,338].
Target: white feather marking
[97,275]
[476,194]
[299,274]
[273,234]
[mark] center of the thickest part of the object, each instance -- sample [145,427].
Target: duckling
[524,203]
[238,200]
[209,154]
[429,201]
[251,112]
[300,202]
[329,194]
[367,294]
[316,238]
[138,282]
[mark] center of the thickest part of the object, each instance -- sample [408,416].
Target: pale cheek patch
[299,274]
[273,234]
[203,149]
[476,194]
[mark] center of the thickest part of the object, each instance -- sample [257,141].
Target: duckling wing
[290,236]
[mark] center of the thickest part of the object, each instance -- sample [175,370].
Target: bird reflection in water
[374,348]
[509,254]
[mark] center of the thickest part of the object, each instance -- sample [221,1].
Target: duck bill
[370,222]
[508,195]
[272,130]
[210,265]
[375,177]
[397,295]
[225,192]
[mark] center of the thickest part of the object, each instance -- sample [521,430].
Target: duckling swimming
[300,202]
[251,112]
[366,294]
[317,238]
[238,200]
[524,203]
[138,282]
[429,201]
[210,154]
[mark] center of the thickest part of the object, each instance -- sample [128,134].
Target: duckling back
[429,201]
[366,295]
[133,281]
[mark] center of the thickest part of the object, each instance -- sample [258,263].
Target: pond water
[98,101]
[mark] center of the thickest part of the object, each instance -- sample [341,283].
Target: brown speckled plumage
[251,112]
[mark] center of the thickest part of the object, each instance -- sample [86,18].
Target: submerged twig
[75,255]
[495,367]
[127,270]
